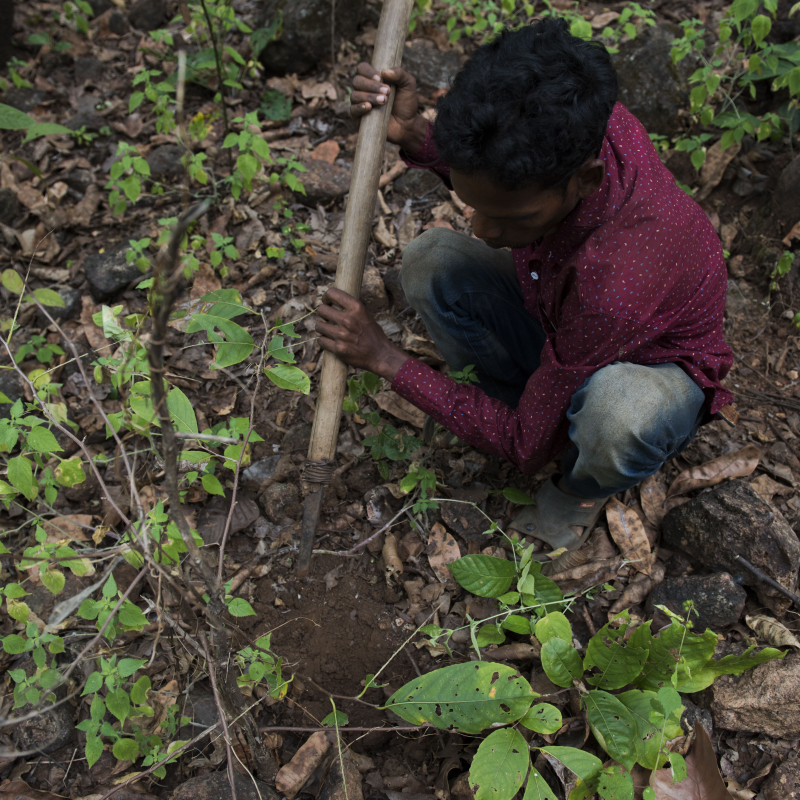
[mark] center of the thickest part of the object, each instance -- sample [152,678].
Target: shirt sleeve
[532,434]
[427,157]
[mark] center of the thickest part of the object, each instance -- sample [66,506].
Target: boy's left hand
[351,333]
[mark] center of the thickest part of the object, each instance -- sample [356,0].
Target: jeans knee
[429,255]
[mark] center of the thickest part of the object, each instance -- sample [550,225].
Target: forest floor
[344,621]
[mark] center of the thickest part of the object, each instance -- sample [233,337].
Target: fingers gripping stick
[357,228]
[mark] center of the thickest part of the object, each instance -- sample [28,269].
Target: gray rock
[90,120]
[730,520]
[693,714]
[262,469]
[9,206]
[72,304]
[763,700]
[417,182]
[89,69]
[118,22]
[10,386]
[279,501]
[79,180]
[786,200]
[432,68]
[652,88]
[323,182]
[165,161]
[784,783]
[109,273]
[215,786]
[25,99]
[717,599]
[391,279]
[147,15]
[306,37]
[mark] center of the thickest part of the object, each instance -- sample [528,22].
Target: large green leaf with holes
[499,766]
[652,733]
[470,697]
[612,725]
[618,662]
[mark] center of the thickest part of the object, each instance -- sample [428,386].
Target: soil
[343,622]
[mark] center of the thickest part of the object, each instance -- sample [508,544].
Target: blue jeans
[625,421]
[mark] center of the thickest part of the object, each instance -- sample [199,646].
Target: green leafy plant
[125,178]
[629,682]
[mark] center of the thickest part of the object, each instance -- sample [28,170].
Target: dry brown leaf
[732,465]
[637,590]
[600,21]
[395,405]
[393,567]
[383,234]
[70,526]
[442,550]
[702,781]
[652,496]
[653,534]
[794,233]
[577,573]
[250,236]
[765,488]
[567,561]
[771,631]
[19,790]
[327,151]
[292,776]
[310,88]
[739,792]
[518,651]
[84,209]
[714,166]
[629,535]
[420,346]
[205,281]
[94,333]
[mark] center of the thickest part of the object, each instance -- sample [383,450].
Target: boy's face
[519,217]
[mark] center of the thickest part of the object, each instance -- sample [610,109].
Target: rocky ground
[732,493]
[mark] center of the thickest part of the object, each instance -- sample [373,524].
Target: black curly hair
[529,107]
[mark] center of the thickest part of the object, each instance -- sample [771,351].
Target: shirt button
[535,276]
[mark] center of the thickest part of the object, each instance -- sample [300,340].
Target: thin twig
[352,550]
[206,437]
[762,576]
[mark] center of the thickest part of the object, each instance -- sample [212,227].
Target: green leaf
[485,576]
[542,718]
[233,349]
[678,764]
[518,497]
[697,158]
[561,662]
[139,690]
[239,607]
[619,663]
[12,281]
[44,129]
[20,473]
[741,9]
[70,472]
[12,119]
[94,748]
[336,718]
[612,726]
[181,411]
[53,579]
[728,665]
[537,788]
[470,696]
[490,634]
[127,666]
[663,655]
[652,733]
[500,765]
[615,783]
[131,616]
[41,440]
[212,485]
[517,624]
[93,684]
[125,749]
[47,297]
[586,766]
[14,644]
[119,703]
[288,377]
[553,626]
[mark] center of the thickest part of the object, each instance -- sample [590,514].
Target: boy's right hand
[406,126]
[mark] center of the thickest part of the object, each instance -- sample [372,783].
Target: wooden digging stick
[388,52]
